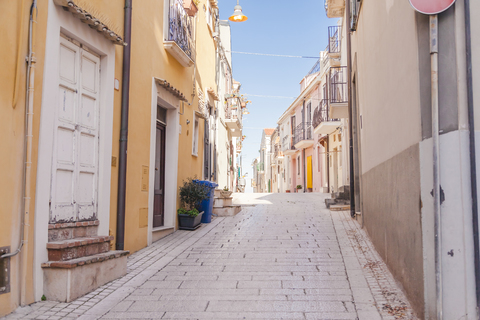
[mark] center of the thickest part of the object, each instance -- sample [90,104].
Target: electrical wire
[263,96]
[273,55]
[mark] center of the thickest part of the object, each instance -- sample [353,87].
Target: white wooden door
[73,195]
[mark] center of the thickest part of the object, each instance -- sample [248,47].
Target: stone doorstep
[76,248]
[85,260]
[73,224]
[222,202]
[67,280]
[71,230]
[227,211]
[339,207]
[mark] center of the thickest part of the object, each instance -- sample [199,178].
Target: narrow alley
[284,256]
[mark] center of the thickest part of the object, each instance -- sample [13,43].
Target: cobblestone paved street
[284,256]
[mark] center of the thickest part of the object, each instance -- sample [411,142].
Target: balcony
[287,146]
[260,168]
[322,123]
[303,135]
[334,41]
[278,154]
[335,8]
[239,147]
[180,42]
[338,92]
[233,120]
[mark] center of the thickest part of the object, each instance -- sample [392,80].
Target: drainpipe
[436,163]
[328,164]
[29,95]
[303,150]
[304,174]
[122,158]
[350,116]
[473,168]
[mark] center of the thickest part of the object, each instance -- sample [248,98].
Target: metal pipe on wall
[473,167]
[436,163]
[350,117]
[122,158]
[29,95]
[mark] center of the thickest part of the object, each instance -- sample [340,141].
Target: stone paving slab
[287,257]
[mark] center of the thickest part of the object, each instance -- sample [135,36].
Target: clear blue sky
[297,28]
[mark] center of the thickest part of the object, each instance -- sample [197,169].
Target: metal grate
[4,271]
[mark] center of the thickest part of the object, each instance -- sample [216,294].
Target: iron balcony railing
[287,143]
[233,113]
[338,85]
[260,167]
[180,28]
[315,68]
[334,34]
[322,114]
[278,151]
[303,132]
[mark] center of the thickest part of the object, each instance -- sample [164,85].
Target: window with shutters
[195,136]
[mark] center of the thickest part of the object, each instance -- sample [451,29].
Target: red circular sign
[431,6]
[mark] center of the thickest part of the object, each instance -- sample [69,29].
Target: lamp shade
[238,15]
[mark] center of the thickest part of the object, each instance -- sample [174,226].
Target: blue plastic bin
[207,204]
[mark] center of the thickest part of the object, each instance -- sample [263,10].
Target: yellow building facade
[60,162]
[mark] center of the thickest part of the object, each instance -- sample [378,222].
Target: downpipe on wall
[122,158]
[436,164]
[25,224]
[350,113]
[473,167]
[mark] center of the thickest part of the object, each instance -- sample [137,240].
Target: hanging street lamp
[238,15]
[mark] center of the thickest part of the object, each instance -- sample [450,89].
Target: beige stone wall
[388,84]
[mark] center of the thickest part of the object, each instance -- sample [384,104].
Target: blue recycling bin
[207,205]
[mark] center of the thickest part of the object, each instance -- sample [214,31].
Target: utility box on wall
[4,271]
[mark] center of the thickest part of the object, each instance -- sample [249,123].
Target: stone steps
[71,230]
[229,211]
[77,248]
[66,281]
[79,260]
[222,202]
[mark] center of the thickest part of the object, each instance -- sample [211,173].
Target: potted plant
[191,196]
[225,192]
[287,191]
[299,187]
[190,7]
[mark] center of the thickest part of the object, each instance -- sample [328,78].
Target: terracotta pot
[225,194]
[190,7]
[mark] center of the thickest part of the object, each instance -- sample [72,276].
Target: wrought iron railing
[303,132]
[260,167]
[278,151]
[334,37]
[287,143]
[233,113]
[315,68]
[180,28]
[322,114]
[338,85]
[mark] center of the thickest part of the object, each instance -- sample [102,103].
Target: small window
[298,165]
[331,160]
[195,136]
[339,137]
[334,137]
